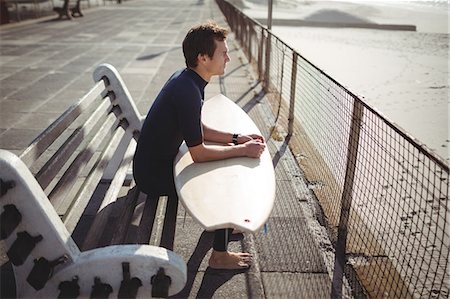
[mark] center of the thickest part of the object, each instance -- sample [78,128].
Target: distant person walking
[175,116]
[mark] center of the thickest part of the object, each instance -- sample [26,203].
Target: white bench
[71,189]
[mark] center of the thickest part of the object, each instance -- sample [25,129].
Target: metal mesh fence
[385,196]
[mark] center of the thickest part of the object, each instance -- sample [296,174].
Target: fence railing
[385,196]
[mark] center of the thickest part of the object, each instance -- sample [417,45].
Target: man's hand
[246,138]
[254,148]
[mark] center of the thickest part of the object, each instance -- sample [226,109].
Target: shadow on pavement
[212,279]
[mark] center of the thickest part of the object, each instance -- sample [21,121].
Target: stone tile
[20,62]
[135,81]
[19,80]
[13,106]
[296,285]
[17,139]
[17,48]
[7,120]
[7,71]
[5,58]
[37,120]
[7,49]
[215,284]
[286,204]
[288,246]
[82,63]
[45,87]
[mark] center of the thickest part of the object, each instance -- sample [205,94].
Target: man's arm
[203,152]
[210,134]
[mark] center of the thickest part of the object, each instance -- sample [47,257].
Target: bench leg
[170,219]
[63,11]
[76,10]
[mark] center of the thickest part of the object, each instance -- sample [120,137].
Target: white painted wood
[129,111]
[49,135]
[233,193]
[38,218]
[122,96]
[106,263]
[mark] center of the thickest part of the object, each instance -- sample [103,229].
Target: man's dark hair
[201,40]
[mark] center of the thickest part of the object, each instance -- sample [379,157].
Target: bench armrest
[37,218]
[111,266]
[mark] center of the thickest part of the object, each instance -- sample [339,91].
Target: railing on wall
[385,196]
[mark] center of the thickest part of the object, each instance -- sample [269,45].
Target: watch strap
[235,139]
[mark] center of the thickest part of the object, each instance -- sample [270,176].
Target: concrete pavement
[47,64]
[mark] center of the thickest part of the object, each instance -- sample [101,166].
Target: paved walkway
[47,64]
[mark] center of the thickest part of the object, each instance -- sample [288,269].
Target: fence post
[260,54]
[241,28]
[267,62]
[246,37]
[250,36]
[293,90]
[346,200]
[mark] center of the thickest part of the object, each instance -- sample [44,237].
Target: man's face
[216,64]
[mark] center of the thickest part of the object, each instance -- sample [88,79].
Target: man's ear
[201,58]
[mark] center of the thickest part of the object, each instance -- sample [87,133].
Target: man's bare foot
[229,260]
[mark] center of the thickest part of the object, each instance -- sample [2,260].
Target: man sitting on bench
[175,116]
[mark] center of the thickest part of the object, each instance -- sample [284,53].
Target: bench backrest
[91,141]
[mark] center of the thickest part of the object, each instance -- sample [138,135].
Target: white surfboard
[232,193]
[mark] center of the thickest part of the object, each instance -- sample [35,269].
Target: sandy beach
[401,73]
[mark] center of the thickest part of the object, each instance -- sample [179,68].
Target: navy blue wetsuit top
[174,116]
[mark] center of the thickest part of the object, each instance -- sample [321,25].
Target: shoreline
[330,24]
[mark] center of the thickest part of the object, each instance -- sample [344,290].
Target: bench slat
[46,138]
[62,155]
[101,219]
[170,219]
[65,183]
[147,220]
[78,205]
[156,233]
[126,215]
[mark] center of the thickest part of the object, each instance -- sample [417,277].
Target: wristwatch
[235,139]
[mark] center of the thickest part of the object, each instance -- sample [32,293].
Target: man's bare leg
[229,260]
